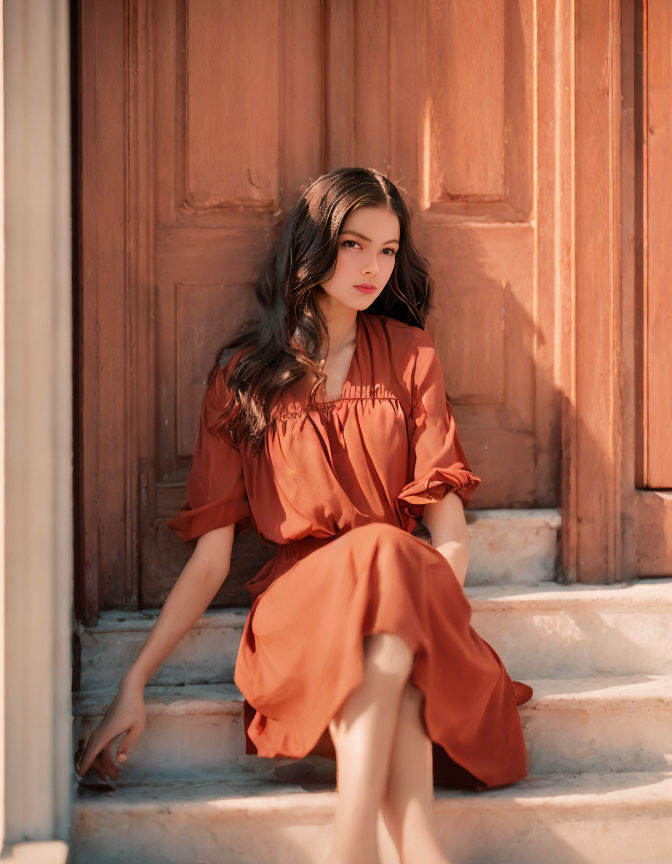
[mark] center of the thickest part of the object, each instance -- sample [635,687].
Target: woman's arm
[446,523]
[188,599]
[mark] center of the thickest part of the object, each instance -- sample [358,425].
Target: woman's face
[367,247]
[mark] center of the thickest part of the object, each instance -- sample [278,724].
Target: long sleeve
[438,462]
[216,494]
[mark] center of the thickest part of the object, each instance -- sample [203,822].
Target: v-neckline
[321,388]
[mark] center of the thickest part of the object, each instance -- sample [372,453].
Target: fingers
[97,752]
[98,766]
[83,757]
[97,756]
[87,757]
[128,742]
[108,763]
[101,763]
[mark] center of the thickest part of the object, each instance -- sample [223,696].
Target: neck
[341,320]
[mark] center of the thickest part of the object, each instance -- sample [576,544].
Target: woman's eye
[355,243]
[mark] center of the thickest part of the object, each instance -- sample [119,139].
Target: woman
[326,426]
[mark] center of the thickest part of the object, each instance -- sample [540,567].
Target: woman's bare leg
[362,732]
[407,806]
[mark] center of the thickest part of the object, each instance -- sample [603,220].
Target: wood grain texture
[593,408]
[657,129]
[106,472]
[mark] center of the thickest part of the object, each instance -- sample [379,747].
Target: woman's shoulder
[405,352]
[217,398]
[403,342]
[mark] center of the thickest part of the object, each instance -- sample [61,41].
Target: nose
[371,266]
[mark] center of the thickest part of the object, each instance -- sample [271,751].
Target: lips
[366,288]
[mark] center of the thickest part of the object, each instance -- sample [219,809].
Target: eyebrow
[364,237]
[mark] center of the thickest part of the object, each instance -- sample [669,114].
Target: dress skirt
[301,652]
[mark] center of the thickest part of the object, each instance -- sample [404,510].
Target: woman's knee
[389,653]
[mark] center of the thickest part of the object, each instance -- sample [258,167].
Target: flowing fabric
[340,489]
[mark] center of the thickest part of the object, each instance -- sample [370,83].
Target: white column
[37,357]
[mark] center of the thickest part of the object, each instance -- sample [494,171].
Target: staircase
[598,731]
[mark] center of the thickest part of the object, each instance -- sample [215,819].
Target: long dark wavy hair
[284,338]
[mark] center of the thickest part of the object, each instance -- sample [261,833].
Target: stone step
[607,723]
[513,547]
[623,818]
[548,630]
[577,631]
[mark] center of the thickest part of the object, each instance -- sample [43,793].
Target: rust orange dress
[340,489]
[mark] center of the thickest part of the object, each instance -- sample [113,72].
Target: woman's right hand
[127,713]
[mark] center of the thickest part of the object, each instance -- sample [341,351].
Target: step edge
[203,704]
[506,596]
[653,789]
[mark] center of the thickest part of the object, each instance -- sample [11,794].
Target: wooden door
[199,123]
